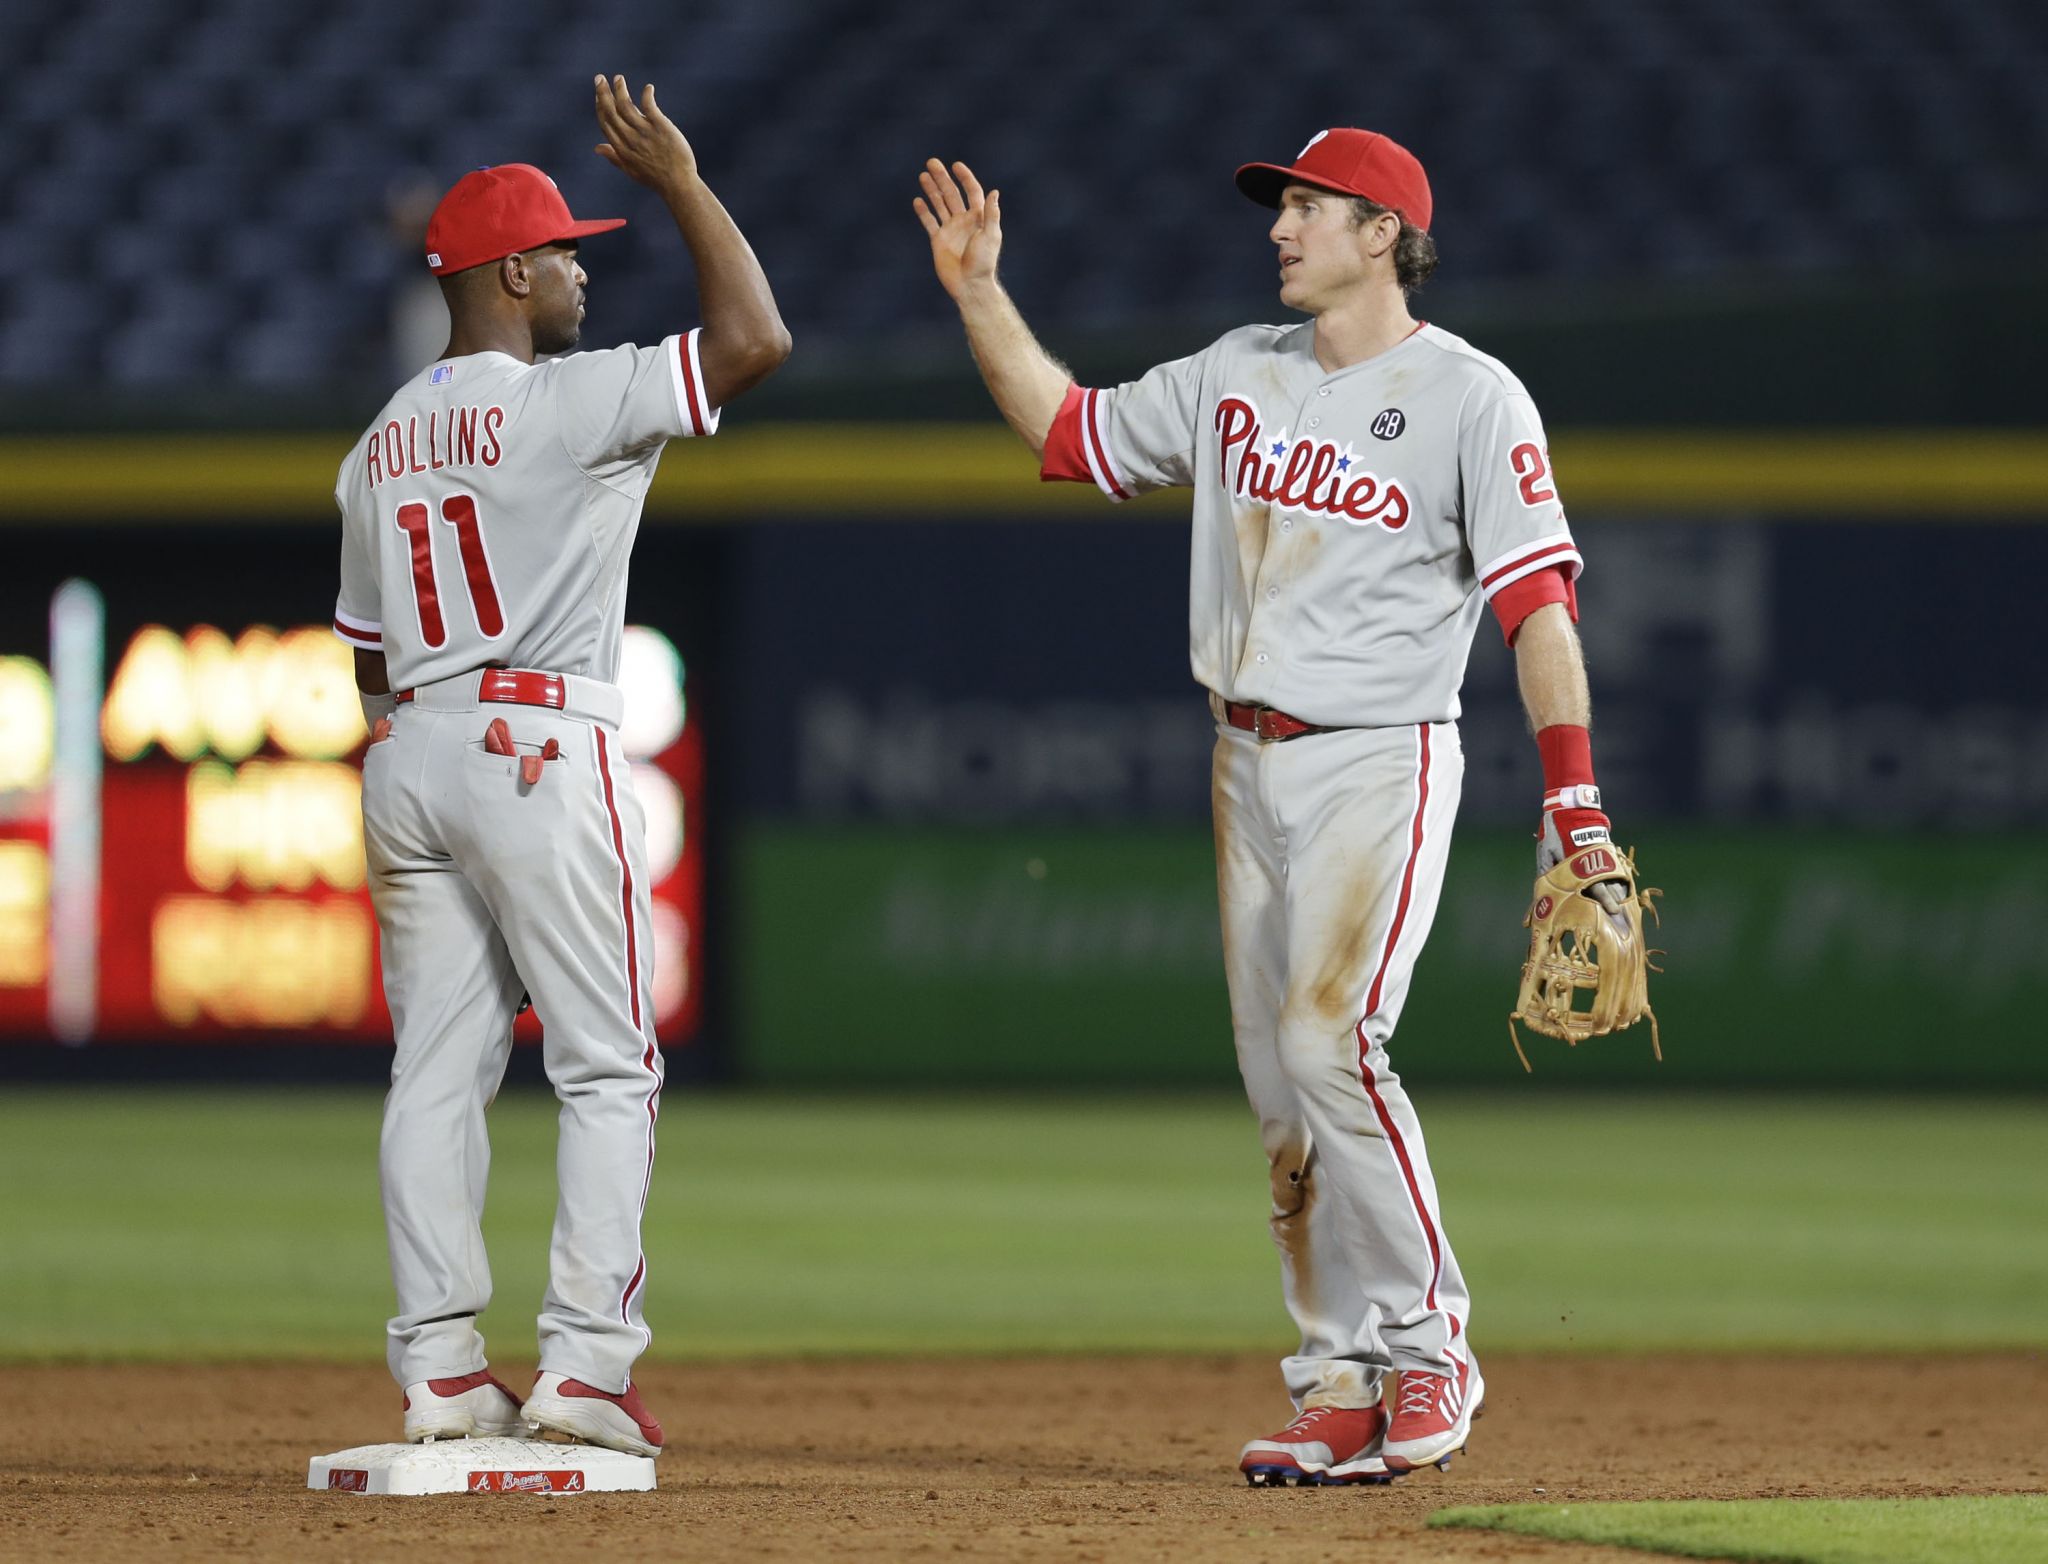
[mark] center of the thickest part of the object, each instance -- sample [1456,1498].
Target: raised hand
[640,141]
[966,230]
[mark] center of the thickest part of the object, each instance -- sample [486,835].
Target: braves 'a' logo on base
[526,1482]
[1318,477]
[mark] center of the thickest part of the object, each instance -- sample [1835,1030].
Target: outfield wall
[1042,956]
[976,844]
[954,820]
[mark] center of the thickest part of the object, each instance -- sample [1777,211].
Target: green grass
[2008,1529]
[180,1224]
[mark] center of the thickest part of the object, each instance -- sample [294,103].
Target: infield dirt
[1075,1459]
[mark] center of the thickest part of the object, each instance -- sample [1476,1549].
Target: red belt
[1265,722]
[513,687]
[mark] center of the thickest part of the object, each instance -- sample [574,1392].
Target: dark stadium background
[1771,270]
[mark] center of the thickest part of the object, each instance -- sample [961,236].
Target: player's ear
[514,276]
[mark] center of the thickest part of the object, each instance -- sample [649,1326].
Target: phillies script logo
[525,1482]
[348,1479]
[1315,476]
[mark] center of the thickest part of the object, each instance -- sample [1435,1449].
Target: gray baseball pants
[484,886]
[1330,855]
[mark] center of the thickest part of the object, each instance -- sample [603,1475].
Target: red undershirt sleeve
[1066,457]
[1519,599]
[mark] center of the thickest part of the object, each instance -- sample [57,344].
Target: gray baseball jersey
[1348,530]
[487,518]
[488,513]
[1348,527]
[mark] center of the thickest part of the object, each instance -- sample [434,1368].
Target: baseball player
[1364,486]
[487,516]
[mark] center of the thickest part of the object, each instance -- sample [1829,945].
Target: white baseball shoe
[560,1405]
[474,1406]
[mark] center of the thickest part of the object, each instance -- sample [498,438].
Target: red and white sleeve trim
[366,633]
[1077,445]
[1557,550]
[686,374]
[1095,445]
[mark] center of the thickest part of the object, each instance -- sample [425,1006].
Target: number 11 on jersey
[458,511]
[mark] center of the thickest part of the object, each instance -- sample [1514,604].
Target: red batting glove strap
[1578,828]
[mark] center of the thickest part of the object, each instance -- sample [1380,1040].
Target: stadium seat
[245,139]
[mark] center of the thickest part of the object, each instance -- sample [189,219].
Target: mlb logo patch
[442,375]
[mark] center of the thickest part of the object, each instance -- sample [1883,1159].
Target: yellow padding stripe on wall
[967,470]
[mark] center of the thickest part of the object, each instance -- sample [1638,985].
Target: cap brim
[595,225]
[1263,182]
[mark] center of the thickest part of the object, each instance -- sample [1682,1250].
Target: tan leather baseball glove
[1588,971]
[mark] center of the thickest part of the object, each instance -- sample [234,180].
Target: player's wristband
[1567,751]
[375,706]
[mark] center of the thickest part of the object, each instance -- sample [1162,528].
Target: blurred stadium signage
[1049,955]
[229,881]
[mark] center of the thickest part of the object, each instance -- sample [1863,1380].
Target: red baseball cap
[1351,162]
[495,212]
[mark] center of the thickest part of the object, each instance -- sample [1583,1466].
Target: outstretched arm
[743,340]
[966,232]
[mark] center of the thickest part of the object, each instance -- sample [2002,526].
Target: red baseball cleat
[473,1406]
[596,1417]
[1433,1416]
[1324,1447]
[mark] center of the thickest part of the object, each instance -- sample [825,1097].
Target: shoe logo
[1422,1394]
